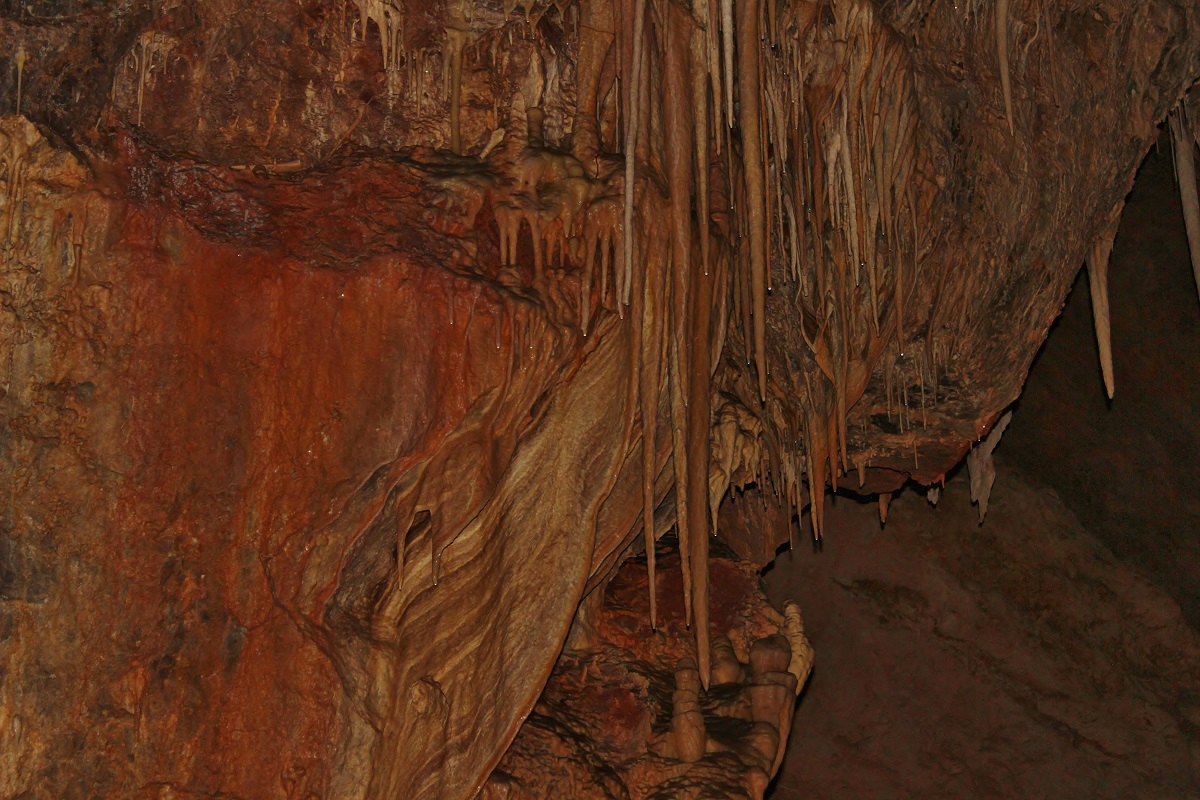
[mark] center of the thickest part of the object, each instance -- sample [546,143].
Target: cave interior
[599,399]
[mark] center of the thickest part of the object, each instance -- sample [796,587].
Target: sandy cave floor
[1054,651]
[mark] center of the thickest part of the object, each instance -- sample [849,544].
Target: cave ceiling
[349,346]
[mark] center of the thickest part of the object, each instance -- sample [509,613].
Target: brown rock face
[348,349]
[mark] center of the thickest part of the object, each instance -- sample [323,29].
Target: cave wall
[309,470]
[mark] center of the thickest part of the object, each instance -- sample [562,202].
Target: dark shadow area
[1129,469]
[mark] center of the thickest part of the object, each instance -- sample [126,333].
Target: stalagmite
[725,666]
[493,142]
[688,735]
[1097,265]
[774,688]
[14,164]
[1185,166]
[802,655]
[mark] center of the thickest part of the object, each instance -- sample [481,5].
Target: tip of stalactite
[1097,267]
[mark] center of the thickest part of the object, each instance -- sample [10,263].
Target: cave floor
[1019,659]
[1053,651]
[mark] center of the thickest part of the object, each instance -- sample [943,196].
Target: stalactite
[152,48]
[596,39]
[631,138]
[898,297]
[20,62]
[980,467]
[1097,264]
[727,54]
[1002,57]
[708,16]
[679,446]
[700,139]
[456,38]
[690,354]
[750,113]
[1185,167]
[388,17]
[700,425]
[650,342]
[743,294]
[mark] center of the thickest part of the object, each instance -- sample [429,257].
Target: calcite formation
[624,713]
[349,349]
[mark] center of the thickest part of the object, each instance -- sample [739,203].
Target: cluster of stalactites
[405,69]
[809,117]
[673,281]
[840,123]
[814,119]
[1185,133]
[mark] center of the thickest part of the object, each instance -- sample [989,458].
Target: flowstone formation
[624,713]
[350,349]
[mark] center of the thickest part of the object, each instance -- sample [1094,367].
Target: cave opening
[1054,645]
